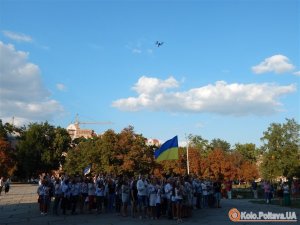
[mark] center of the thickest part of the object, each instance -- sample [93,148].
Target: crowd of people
[281,190]
[141,197]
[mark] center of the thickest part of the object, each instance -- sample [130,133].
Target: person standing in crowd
[168,196]
[279,192]
[217,192]
[286,194]
[142,186]
[43,192]
[66,192]
[57,195]
[118,195]
[223,190]
[254,189]
[229,188]
[198,192]
[295,189]
[188,196]
[83,194]
[204,194]
[179,192]
[75,191]
[111,188]
[267,190]
[1,184]
[211,196]
[125,190]
[47,199]
[40,192]
[7,186]
[134,197]
[158,200]
[91,194]
[152,198]
[173,201]
[99,196]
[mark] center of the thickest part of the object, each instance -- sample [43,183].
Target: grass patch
[294,203]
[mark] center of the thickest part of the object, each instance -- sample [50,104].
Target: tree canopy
[119,153]
[281,150]
[42,147]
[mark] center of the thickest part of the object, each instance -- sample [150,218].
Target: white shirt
[91,189]
[168,190]
[99,191]
[158,197]
[141,187]
[204,189]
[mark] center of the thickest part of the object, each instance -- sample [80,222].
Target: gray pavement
[20,206]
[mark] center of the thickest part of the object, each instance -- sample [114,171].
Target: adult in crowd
[229,188]
[1,184]
[57,195]
[134,197]
[125,190]
[7,186]
[254,189]
[286,194]
[217,193]
[142,186]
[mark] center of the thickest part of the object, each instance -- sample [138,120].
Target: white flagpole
[187,155]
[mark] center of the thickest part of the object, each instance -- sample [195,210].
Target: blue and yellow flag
[87,169]
[168,150]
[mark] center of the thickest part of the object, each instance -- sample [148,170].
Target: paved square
[20,206]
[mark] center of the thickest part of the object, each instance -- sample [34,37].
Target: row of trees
[39,148]
[42,147]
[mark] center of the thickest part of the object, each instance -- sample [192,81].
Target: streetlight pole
[187,155]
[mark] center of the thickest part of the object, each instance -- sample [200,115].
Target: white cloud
[139,47]
[219,98]
[17,36]
[136,51]
[149,85]
[22,92]
[275,63]
[61,87]
[297,73]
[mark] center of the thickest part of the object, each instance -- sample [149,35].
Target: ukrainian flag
[87,169]
[168,150]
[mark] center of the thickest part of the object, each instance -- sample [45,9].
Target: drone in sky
[158,44]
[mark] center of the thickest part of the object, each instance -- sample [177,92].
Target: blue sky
[227,69]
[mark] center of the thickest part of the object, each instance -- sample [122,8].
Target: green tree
[220,144]
[281,150]
[81,156]
[7,153]
[118,153]
[41,148]
[248,151]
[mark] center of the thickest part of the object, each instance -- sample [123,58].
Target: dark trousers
[169,209]
[65,202]
[99,203]
[198,200]
[74,200]
[158,210]
[56,204]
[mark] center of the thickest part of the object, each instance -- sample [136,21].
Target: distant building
[75,131]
